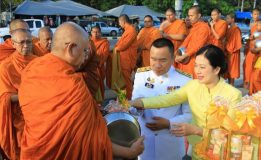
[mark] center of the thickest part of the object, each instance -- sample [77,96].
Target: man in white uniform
[160,78]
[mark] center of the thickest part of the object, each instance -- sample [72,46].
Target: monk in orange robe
[43,45]
[197,38]
[11,118]
[232,48]
[61,117]
[218,29]
[145,38]
[174,29]
[255,81]
[249,57]
[89,69]
[102,46]
[6,48]
[127,47]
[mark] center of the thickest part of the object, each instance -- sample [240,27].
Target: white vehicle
[105,29]
[34,25]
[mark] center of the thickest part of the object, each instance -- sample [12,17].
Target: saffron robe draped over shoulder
[145,39]
[62,120]
[232,48]
[127,46]
[198,37]
[11,118]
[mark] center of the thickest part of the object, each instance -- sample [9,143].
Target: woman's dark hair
[215,56]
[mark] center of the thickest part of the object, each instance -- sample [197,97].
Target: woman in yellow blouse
[209,66]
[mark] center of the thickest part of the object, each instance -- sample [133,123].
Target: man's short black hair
[164,42]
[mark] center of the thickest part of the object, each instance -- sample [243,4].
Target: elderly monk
[249,57]
[127,47]
[255,81]
[6,48]
[218,29]
[102,46]
[11,119]
[197,38]
[145,38]
[43,46]
[62,120]
[173,29]
[232,48]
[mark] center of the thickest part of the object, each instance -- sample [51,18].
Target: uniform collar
[166,75]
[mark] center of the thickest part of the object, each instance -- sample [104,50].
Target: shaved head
[44,29]
[194,14]
[22,41]
[125,18]
[70,43]
[45,36]
[196,9]
[17,24]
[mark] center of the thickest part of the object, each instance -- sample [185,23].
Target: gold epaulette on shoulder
[143,69]
[184,73]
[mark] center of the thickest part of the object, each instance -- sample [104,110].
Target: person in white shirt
[157,79]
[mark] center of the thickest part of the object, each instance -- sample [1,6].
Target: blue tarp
[132,11]
[243,15]
[61,7]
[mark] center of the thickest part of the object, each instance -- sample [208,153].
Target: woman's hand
[137,103]
[186,129]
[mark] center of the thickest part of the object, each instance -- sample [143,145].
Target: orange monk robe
[221,28]
[248,62]
[255,82]
[127,46]
[6,49]
[197,38]
[176,27]
[233,46]
[90,70]
[61,117]
[11,119]
[38,50]
[102,50]
[145,39]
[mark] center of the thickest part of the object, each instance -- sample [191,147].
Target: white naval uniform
[161,145]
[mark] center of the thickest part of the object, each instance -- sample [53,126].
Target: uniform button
[156,134]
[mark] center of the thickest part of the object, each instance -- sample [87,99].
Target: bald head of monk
[45,36]
[22,41]
[170,14]
[194,14]
[230,18]
[17,24]
[215,14]
[70,43]
[123,20]
[255,14]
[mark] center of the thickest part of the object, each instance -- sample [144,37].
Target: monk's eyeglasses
[29,42]
[147,21]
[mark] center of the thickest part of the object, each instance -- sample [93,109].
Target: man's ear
[69,49]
